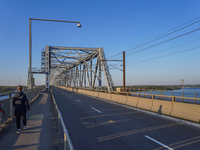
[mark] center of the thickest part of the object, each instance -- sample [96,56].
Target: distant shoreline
[9,89]
[156,87]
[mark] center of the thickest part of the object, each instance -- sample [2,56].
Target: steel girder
[76,67]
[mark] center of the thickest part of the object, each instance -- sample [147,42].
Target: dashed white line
[96,110]
[78,100]
[159,143]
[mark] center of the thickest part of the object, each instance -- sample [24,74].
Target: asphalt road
[94,124]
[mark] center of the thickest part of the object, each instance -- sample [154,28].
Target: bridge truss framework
[75,67]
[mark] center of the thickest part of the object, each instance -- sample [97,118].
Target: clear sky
[115,25]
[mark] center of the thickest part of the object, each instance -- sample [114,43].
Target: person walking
[21,105]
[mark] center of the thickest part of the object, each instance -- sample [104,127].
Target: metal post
[91,74]
[11,105]
[182,96]
[30,91]
[100,74]
[0,121]
[74,76]
[47,66]
[30,57]
[65,142]
[124,78]
[84,76]
[59,122]
[79,76]
[30,80]
[195,95]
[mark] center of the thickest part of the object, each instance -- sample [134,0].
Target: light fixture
[79,25]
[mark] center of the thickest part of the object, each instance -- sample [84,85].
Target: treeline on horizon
[156,87]
[9,89]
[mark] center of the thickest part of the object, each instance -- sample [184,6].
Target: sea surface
[189,90]
[186,92]
[4,97]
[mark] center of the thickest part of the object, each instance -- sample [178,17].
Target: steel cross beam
[71,66]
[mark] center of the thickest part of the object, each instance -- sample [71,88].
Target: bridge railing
[60,127]
[7,108]
[172,93]
[184,97]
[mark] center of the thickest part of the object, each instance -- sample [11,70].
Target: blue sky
[115,25]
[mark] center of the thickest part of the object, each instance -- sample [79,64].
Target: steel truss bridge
[74,67]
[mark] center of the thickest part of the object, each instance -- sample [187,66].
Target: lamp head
[79,25]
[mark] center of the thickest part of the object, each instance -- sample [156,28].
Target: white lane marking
[78,100]
[159,143]
[96,109]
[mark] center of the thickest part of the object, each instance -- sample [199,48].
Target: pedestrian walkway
[40,133]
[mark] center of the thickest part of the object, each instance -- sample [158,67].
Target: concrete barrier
[115,97]
[108,96]
[186,111]
[162,107]
[145,103]
[80,91]
[89,93]
[69,89]
[132,101]
[102,95]
[122,99]
[95,94]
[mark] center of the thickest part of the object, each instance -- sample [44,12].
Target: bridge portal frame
[75,67]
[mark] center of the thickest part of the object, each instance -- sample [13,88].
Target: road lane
[78,100]
[117,127]
[163,145]
[96,110]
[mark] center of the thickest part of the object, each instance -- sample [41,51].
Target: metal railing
[172,93]
[6,104]
[61,125]
[191,100]
[184,97]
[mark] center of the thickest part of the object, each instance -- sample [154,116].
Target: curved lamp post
[30,78]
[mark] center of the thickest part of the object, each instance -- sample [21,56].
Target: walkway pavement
[40,133]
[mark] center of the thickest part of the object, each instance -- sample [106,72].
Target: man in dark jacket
[20,103]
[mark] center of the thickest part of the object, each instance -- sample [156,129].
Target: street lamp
[30,78]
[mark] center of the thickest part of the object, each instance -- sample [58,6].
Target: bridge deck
[95,124]
[40,133]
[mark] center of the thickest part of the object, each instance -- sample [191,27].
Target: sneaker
[25,127]
[18,131]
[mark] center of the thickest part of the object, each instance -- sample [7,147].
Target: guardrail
[185,97]
[172,93]
[7,108]
[61,125]
[158,92]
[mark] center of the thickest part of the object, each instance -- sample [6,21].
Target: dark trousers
[18,121]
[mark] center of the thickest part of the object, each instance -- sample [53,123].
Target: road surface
[95,124]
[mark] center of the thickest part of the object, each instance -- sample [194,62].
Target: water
[186,95]
[186,92]
[189,90]
[4,97]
